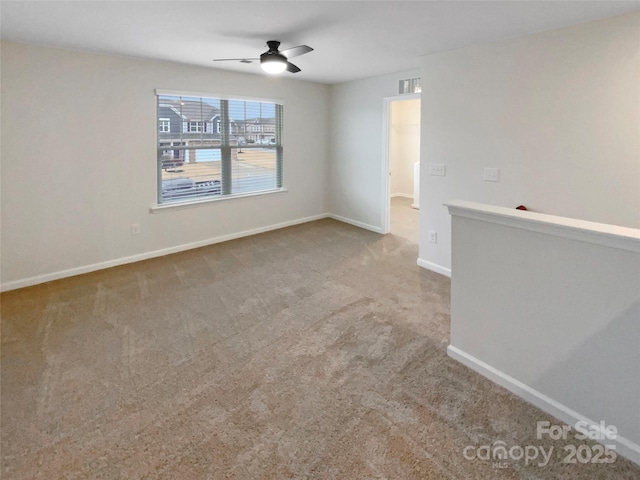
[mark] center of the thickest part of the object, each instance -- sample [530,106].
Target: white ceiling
[352,39]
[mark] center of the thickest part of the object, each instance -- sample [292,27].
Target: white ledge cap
[613,236]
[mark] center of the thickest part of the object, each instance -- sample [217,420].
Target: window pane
[190,174]
[254,169]
[189,118]
[254,122]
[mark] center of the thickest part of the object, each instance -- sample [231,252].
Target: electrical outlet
[135,229]
[437,169]
[433,236]
[491,174]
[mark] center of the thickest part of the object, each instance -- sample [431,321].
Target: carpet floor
[312,352]
[404,219]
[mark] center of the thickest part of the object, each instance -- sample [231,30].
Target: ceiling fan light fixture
[273,63]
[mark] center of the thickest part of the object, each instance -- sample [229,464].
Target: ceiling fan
[274,60]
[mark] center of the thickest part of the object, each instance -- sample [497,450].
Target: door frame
[386,166]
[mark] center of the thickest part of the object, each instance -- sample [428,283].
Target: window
[164,125]
[212,156]
[197,127]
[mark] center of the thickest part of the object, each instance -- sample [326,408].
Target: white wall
[355,180]
[548,307]
[556,112]
[79,159]
[404,145]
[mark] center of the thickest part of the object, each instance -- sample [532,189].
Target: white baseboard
[624,446]
[405,195]
[434,267]
[355,223]
[416,206]
[48,277]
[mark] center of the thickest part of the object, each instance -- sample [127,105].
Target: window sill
[165,207]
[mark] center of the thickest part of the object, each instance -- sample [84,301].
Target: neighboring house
[188,117]
[188,123]
[258,130]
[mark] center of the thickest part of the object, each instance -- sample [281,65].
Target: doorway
[402,166]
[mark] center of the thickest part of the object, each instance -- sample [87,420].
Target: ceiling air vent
[409,85]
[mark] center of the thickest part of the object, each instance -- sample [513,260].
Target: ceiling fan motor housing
[273,45]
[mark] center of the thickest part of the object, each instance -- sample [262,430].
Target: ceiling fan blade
[243,60]
[292,68]
[296,51]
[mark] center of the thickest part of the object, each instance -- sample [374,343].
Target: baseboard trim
[434,267]
[356,223]
[624,446]
[48,277]
[416,206]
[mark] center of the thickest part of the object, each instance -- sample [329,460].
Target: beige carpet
[404,219]
[312,352]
